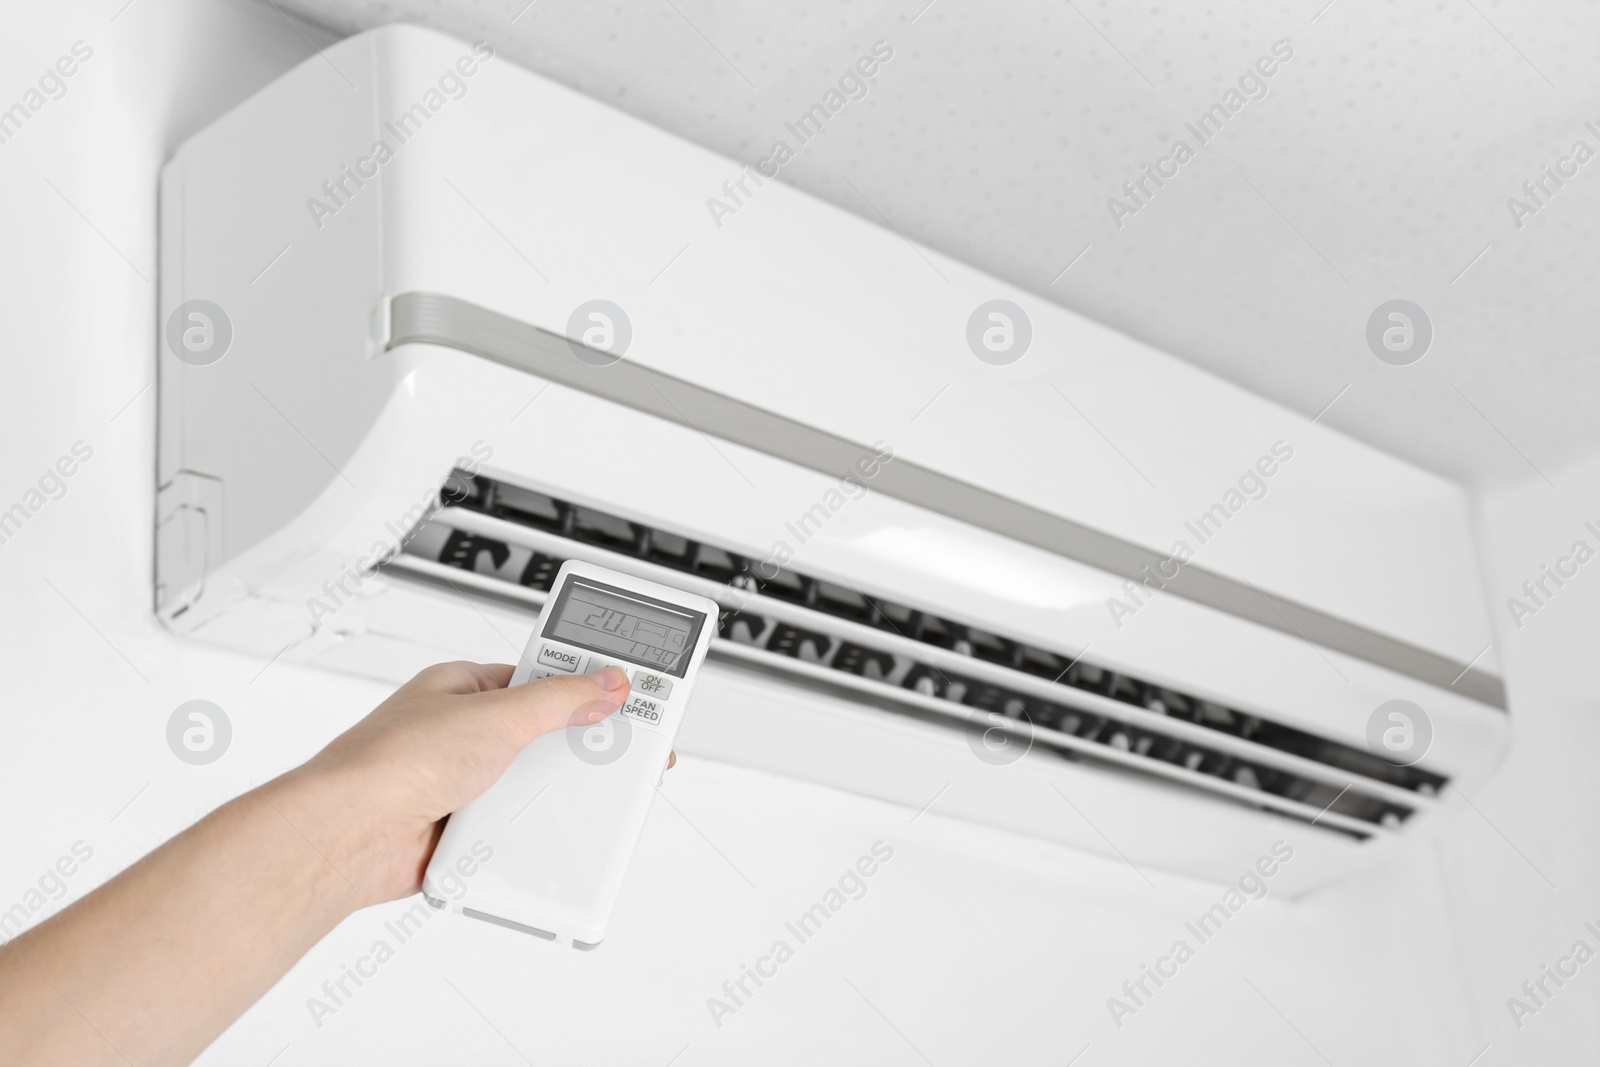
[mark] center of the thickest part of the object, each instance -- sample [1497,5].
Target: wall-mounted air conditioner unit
[420,265]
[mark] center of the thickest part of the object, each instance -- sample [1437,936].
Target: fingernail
[610,678]
[596,716]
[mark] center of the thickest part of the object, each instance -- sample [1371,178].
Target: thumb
[559,701]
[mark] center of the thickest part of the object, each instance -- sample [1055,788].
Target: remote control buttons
[559,658]
[646,711]
[651,685]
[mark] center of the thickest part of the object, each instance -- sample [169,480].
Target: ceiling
[1378,166]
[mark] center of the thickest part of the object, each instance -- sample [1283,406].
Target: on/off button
[559,658]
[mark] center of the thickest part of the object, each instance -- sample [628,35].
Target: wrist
[325,805]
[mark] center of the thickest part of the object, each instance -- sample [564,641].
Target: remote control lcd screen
[629,626]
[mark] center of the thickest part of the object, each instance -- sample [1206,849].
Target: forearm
[152,966]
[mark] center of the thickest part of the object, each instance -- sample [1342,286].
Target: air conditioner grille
[815,645]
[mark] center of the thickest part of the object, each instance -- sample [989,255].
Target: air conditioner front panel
[800,309]
[791,306]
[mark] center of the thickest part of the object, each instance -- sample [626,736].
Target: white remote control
[562,823]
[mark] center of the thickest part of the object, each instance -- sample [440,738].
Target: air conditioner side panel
[277,419]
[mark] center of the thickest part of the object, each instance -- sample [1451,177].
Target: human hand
[439,742]
[219,913]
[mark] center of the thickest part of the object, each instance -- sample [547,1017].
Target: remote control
[562,823]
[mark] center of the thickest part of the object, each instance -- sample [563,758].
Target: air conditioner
[947,583]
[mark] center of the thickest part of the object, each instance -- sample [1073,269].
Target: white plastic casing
[546,848]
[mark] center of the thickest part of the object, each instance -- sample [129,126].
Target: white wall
[970,946]
[1524,877]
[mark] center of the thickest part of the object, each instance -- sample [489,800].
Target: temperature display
[626,625]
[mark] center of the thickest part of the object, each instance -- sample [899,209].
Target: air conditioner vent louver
[826,635]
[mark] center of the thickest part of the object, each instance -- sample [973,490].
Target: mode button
[559,658]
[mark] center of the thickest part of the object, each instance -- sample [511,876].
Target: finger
[557,702]
[672,759]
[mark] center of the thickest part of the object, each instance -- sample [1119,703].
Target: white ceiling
[1378,167]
